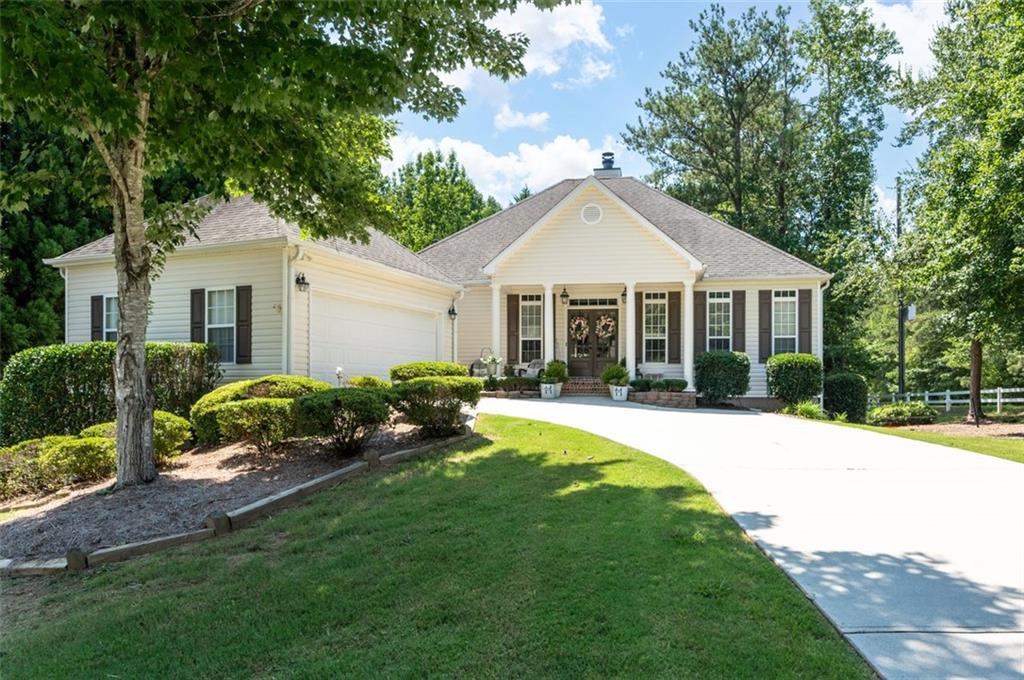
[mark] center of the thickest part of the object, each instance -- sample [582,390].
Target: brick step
[585,386]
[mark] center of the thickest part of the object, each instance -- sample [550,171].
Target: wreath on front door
[579,329]
[605,327]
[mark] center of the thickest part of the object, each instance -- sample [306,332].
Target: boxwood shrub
[615,375]
[60,389]
[349,417]
[170,432]
[424,369]
[264,422]
[721,375]
[435,403]
[675,384]
[204,413]
[846,393]
[640,385]
[902,413]
[77,459]
[793,378]
[368,381]
[20,472]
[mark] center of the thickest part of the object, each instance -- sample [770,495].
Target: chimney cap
[607,168]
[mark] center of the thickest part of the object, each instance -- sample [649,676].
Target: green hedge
[170,432]
[902,413]
[47,464]
[368,381]
[350,417]
[675,384]
[435,403]
[60,389]
[426,369]
[721,375]
[846,393]
[204,412]
[794,377]
[264,422]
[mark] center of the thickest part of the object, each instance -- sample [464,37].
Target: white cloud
[538,166]
[591,71]
[507,119]
[914,24]
[886,201]
[625,30]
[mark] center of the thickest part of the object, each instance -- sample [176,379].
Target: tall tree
[279,96]
[522,195]
[703,132]
[968,245]
[432,197]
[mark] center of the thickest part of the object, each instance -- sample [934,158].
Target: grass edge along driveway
[531,550]
[1007,448]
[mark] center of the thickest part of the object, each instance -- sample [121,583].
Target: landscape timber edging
[219,523]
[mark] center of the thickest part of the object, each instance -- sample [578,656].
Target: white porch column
[688,334]
[631,328]
[496,322]
[549,322]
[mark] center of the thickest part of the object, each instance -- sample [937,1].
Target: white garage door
[366,338]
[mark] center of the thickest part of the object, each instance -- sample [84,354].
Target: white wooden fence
[950,398]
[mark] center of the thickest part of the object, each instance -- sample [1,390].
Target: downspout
[455,326]
[821,334]
[64,275]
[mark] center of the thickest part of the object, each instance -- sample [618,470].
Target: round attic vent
[591,213]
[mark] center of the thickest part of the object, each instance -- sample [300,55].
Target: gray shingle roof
[244,219]
[727,252]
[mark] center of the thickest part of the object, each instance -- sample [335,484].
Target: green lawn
[1000,447]
[531,551]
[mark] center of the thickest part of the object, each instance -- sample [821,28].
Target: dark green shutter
[674,334]
[513,329]
[243,324]
[700,322]
[804,319]
[197,315]
[764,325]
[96,313]
[739,321]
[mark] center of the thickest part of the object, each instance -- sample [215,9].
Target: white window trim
[796,318]
[233,325]
[643,320]
[707,319]
[522,335]
[105,329]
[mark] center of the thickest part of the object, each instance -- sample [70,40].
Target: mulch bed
[988,428]
[197,483]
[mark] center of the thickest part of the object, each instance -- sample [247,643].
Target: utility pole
[902,311]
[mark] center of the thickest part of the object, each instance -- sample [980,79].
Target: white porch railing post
[496,322]
[949,402]
[631,329]
[926,396]
[688,349]
[549,322]
[999,400]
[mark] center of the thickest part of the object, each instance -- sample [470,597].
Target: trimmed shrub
[555,372]
[264,422]
[204,412]
[806,409]
[675,384]
[435,403]
[518,383]
[368,381]
[424,369]
[60,389]
[721,375]
[902,413]
[170,432]
[350,417]
[69,460]
[640,385]
[794,377]
[19,468]
[615,374]
[846,393]
[659,386]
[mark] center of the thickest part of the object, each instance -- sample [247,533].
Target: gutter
[64,261]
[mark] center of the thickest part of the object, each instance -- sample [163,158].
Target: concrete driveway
[914,551]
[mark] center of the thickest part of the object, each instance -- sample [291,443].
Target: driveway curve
[915,551]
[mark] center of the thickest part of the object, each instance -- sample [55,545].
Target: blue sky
[587,65]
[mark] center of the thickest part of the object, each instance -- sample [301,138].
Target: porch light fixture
[623,295]
[564,296]
[452,312]
[301,283]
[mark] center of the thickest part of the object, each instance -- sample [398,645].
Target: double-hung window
[784,321]
[655,328]
[720,320]
[220,322]
[110,317]
[531,314]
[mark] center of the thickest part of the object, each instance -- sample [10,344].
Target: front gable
[621,245]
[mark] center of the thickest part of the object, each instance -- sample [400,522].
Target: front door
[593,340]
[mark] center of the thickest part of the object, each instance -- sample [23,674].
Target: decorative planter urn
[619,392]
[549,390]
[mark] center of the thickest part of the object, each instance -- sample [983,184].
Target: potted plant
[492,362]
[616,377]
[555,373]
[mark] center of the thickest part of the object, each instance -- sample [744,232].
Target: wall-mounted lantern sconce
[564,296]
[452,312]
[623,295]
[301,283]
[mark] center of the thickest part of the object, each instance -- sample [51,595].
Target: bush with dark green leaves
[640,385]
[170,432]
[435,403]
[204,412]
[902,413]
[615,375]
[519,383]
[60,389]
[555,372]
[675,384]
[425,369]
[77,459]
[721,375]
[349,417]
[846,393]
[368,381]
[793,378]
[264,422]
